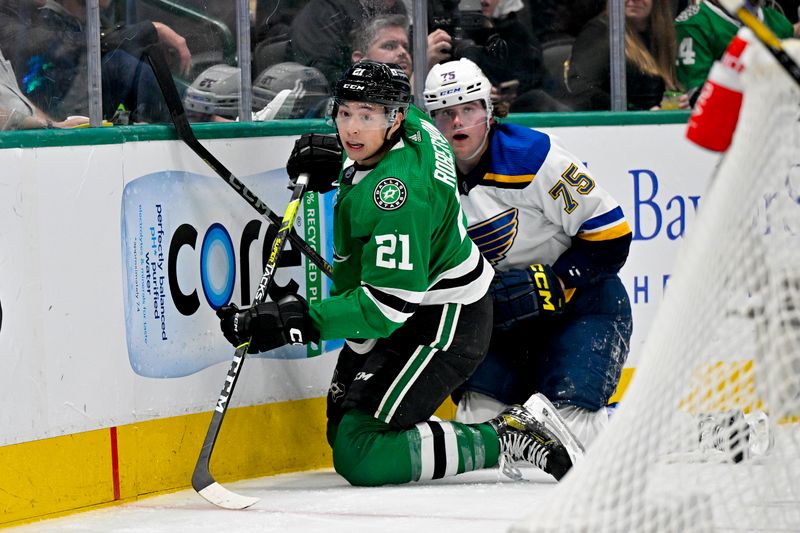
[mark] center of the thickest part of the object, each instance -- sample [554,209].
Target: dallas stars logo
[389,194]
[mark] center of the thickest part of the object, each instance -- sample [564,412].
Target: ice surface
[480,502]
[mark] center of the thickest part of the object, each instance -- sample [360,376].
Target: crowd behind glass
[540,55]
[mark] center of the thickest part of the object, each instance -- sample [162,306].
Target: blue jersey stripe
[615,215]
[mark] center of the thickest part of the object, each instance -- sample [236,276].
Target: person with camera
[385,38]
[409,296]
[562,317]
[502,46]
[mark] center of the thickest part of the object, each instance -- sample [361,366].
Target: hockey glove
[520,294]
[319,156]
[268,325]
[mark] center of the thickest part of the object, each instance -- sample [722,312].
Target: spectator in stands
[17,112]
[554,19]
[502,46]
[649,53]
[320,32]
[704,32]
[385,38]
[498,38]
[48,46]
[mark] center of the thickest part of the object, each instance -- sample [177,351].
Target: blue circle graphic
[217,266]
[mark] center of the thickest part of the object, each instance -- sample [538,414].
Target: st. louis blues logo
[495,236]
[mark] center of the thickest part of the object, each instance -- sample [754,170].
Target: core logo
[218,258]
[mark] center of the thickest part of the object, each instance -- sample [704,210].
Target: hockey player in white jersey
[562,320]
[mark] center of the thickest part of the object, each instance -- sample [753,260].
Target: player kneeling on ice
[562,318]
[410,296]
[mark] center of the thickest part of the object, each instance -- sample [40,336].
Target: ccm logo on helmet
[353,86]
[544,288]
[446,92]
[295,336]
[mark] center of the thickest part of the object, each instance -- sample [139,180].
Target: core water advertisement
[189,246]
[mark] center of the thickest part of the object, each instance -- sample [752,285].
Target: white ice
[480,502]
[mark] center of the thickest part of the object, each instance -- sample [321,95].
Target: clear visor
[361,116]
[462,117]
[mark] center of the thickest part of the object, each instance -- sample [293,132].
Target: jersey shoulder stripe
[517,154]
[523,179]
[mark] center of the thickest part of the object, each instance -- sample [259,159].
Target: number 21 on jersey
[388,252]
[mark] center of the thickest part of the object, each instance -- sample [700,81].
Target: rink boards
[119,244]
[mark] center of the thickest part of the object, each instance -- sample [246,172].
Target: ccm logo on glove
[520,295]
[543,284]
[268,325]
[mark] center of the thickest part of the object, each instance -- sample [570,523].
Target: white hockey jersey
[529,201]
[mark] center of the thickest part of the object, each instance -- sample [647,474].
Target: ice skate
[523,438]
[738,436]
[546,413]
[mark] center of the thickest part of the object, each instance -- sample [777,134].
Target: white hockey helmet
[456,82]
[216,91]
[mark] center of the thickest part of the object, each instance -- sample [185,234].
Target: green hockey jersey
[400,239]
[704,32]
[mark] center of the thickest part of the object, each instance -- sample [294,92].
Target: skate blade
[544,411]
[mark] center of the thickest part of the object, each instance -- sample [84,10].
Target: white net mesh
[706,437]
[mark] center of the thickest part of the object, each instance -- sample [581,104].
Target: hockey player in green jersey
[704,32]
[409,296]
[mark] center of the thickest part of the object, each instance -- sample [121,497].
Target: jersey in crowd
[388,260]
[704,32]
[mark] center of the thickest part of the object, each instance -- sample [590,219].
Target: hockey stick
[185,134]
[202,480]
[765,35]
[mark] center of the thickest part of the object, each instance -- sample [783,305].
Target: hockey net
[706,437]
